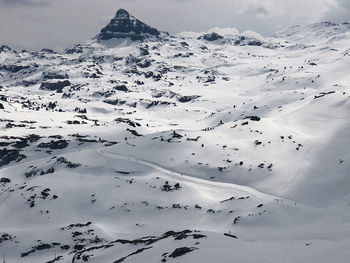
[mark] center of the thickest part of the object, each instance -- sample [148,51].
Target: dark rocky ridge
[123,26]
[5,48]
[211,37]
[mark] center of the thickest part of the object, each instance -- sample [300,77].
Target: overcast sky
[34,24]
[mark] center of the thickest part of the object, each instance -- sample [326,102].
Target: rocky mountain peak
[124,26]
[5,48]
[122,14]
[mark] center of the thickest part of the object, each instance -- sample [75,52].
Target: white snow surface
[246,147]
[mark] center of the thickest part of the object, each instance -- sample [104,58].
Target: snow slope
[178,149]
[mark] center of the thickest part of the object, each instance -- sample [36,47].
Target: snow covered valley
[142,146]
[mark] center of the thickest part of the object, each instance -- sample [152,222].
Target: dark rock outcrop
[54,145]
[57,85]
[13,68]
[211,37]
[246,41]
[123,26]
[185,99]
[121,88]
[48,51]
[76,49]
[8,156]
[181,251]
[5,48]
[54,75]
[5,180]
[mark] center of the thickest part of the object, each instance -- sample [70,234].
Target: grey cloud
[74,21]
[13,3]
[342,14]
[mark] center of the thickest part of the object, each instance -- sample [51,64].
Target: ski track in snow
[192,178]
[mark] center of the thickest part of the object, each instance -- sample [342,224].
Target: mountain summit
[124,25]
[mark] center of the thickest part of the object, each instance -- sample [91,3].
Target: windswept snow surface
[178,150]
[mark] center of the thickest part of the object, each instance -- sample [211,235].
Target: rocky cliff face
[123,25]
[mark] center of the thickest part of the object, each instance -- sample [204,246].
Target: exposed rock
[121,88]
[54,75]
[48,51]
[5,48]
[159,103]
[169,188]
[127,121]
[322,94]
[5,237]
[21,144]
[13,68]
[69,164]
[123,26]
[8,156]
[244,41]
[211,37]
[5,180]
[253,118]
[181,251]
[57,86]
[185,99]
[133,132]
[230,235]
[74,49]
[54,145]
[144,63]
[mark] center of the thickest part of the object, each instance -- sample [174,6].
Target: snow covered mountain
[123,25]
[141,146]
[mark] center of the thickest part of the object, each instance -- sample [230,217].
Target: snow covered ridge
[177,149]
[315,31]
